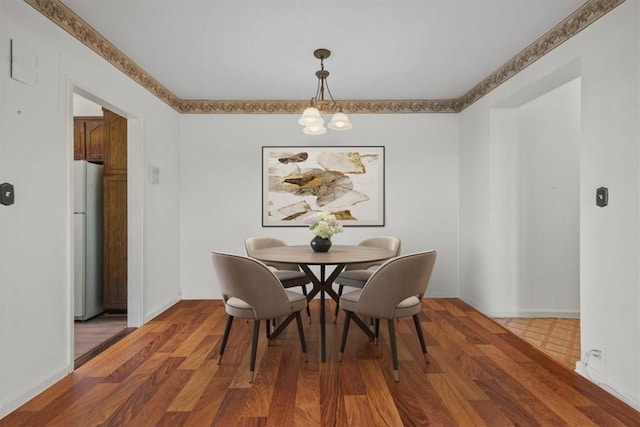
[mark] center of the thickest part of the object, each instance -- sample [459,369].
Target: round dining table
[303,256]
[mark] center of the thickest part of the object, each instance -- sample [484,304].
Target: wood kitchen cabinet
[88,139]
[115,212]
[115,161]
[115,242]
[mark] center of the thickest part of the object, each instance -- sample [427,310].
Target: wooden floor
[91,333]
[559,338]
[165,374]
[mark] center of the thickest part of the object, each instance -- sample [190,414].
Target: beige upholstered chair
[356,275]
[393,291]
[250,290]
[289,274]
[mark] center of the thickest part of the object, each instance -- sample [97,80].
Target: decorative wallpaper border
[586,15]
[64,17]
[294,107]
[56,11]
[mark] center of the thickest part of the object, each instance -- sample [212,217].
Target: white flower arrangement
[323,224]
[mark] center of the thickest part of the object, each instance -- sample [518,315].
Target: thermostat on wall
[6,194]
[602,197]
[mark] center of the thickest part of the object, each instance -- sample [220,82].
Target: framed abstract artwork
[346,181]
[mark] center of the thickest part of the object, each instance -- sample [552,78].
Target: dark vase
[318,244]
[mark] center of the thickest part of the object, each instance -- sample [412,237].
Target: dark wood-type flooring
[559,338]
[165,374]
[92,333]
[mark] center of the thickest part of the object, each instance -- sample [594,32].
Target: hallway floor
[93,332]
[559,338]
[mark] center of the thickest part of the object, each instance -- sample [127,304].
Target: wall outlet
[154,174]
[598,354]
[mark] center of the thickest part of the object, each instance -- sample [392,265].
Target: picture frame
[347,181]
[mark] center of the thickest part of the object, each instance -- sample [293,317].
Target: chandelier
[311,118]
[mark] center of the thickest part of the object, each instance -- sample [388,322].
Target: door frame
[135,248]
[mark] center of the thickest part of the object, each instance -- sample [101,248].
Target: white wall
[36,310]
[606,57]
[221,160]
[548,140]
[534,178]
[438,167]
[84,107]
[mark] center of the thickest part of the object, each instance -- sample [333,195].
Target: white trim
[135,202]
[560,314]
[201,295]
[32,390]
[70,234]
[598,378]
[526,313]
[135,223]
[160,310]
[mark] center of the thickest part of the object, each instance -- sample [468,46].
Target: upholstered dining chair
[289,274]
[356,275]
[250,290]
[393,291]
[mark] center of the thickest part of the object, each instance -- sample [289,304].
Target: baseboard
[598,378]
[160,310]
[31,391]
[201,295]
[528,313]
[560,314]
[592,374]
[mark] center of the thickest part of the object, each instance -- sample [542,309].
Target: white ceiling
[263,49]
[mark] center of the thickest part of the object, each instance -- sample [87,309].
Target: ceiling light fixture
[311,118]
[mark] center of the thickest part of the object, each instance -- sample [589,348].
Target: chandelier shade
[340,121]
[311,117]
[317,129]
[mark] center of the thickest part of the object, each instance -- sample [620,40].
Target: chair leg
[394,349]
[254,349]
[340,287]
[416,322]
[345,331]
[225,337]
[376,328]
[267,323]
[304,292]
[303,344]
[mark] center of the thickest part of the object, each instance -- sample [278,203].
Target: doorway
[548,138]
[537,152]
[100,228]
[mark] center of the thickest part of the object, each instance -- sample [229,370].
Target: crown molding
[295,107]
[584,16]
[64,17]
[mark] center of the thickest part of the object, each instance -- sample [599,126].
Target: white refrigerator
[88,250]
